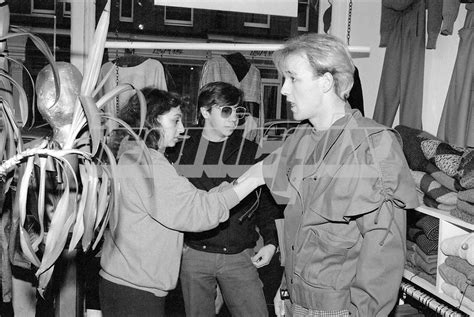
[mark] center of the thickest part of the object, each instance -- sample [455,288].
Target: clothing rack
[211,46]
[428,300]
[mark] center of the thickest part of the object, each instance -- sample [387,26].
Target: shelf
[449,226]
[444,215]
[424,284]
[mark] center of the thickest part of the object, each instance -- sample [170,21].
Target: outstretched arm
[250,180]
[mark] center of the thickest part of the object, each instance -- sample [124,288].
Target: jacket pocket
[322,257]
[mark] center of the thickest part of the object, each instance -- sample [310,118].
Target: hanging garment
[457,120]
[147,72]
[433,24]
[401,82]
[327,19]
[236,70]
[356,98]
[450,14]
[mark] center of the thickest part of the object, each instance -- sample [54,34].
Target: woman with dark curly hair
[142,248]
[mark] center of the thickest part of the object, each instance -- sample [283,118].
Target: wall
[365,28]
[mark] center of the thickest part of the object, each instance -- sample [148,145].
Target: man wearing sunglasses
[224,256]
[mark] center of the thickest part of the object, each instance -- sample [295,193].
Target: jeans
[123,301]
[237,277]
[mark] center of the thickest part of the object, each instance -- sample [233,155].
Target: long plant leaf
[27,248]
[45,274]
[9,121]
[103,220]
[25,241]
[44,49]
[78,229]
[78,122]
[57,233]
[43,280]
[3,142]
[94,59]
[8,149]
[23,100]
[115,189]
[25,69]
[113,93]
[143,109]
[41,200]
[103,81]
[132,133]
[93,121]
[91,205]
[102,198]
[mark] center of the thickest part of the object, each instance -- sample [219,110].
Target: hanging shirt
[146,74]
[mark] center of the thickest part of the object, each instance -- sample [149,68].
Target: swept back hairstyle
[325,53]
[217,93]
[158,102]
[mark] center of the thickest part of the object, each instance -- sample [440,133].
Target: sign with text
[271,7]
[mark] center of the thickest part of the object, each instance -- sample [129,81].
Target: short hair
[158,103]
[217,93]
[325,53]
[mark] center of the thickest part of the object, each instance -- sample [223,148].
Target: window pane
[268,73]
[302,12]
[184,80]
[43,5]
[179,14]
[67,8]
[126,8]
[270,97]
[257,18]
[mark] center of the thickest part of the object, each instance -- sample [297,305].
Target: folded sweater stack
[422,246]
[461,246]
[442,172]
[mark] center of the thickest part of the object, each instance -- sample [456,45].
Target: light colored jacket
[156,204]
[345,223]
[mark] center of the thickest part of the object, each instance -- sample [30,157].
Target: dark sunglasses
[227,111]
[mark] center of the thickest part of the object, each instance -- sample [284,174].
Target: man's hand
[279,304]
[263,256]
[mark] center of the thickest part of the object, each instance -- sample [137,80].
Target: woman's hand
[250,180]
[255,172]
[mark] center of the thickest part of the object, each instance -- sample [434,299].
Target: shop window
[126,10]
[183,78]
[273,107]
[179,16]
[303,15]
[43,7]
[66,9]
[257,21]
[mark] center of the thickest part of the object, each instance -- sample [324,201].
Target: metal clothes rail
[210,46]
[429,301]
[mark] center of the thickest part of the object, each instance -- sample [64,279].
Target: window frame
[41,11]
[123,18]
[172,22]
[306,27]
[66,13]
[258,25]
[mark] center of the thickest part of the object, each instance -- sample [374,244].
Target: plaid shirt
[299,311]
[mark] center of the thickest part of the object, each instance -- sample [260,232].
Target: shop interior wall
[439,63]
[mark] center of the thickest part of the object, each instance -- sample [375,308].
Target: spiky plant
[88,195]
